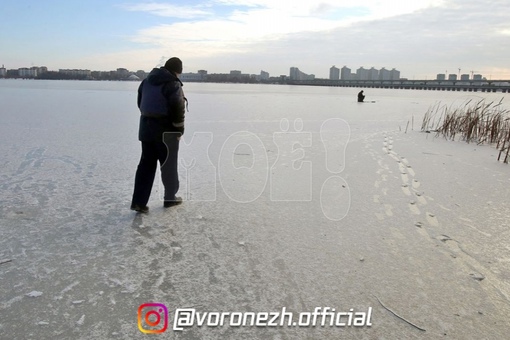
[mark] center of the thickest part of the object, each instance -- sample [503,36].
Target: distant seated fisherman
[361,97]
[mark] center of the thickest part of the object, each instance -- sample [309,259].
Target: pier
[502,86]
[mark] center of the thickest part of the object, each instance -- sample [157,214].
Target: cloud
[433,40]
[169,10]
[465,34]
[261,20]
[420,38]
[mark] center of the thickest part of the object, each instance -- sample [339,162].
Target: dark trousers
[167,154]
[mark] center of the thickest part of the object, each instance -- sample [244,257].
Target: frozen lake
[296,197]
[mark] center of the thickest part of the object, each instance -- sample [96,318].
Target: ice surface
[279,212]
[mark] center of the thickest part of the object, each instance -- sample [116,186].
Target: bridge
[437,85]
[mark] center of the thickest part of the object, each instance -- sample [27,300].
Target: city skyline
[423,37]
[345,73]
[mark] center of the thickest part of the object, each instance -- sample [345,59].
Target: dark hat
[174,65]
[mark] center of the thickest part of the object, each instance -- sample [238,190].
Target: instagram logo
[152,318]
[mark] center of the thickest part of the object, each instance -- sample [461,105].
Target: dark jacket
[162,105]
[361,96]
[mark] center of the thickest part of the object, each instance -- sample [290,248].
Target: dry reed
[479,122]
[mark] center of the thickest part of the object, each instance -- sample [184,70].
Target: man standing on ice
[162,106]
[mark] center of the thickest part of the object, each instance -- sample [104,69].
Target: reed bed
[474,121]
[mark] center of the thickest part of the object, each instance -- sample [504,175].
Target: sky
[420,38]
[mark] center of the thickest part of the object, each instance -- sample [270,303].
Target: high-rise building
[452,77]
[394,74]
[27,72]
[235,75]
[362,73]
[384,74]
[373,74]
[3,71]
[464,77]
[296,74]
[440,76]
[334,73]
[345,73]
